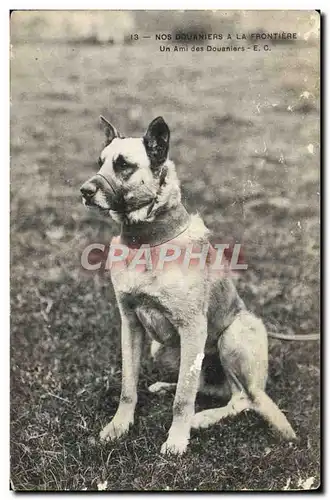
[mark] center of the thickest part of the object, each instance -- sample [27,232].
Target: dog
[189,314]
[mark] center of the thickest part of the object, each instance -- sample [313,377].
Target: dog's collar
[165,227]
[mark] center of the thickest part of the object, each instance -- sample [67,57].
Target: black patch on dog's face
[130,174]
[157,141]
[123,168]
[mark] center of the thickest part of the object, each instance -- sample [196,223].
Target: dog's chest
[137,272]
[171,283]
[131,280]
[157,326]
[156,297]
[162,298]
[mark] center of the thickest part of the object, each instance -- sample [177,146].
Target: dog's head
[131,169]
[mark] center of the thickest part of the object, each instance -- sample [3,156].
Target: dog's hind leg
[238,403]
[162,387]
[218,391]
[243,351]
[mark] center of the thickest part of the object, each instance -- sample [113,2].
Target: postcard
[165,250]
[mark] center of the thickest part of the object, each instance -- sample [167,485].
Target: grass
[240,136]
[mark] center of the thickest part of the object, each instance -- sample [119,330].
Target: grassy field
[245,138]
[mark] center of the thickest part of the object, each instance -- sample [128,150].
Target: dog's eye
[123,167]
[120,162]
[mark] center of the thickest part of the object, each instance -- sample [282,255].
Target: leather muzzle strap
[118,196]
[108,182]
[141,205]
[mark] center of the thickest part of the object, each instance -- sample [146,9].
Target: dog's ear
[110,131]
[157,141]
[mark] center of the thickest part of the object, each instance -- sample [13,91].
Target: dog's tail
[302,337]
[263,405]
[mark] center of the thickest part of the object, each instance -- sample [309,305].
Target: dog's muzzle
[114,196]
[100,183]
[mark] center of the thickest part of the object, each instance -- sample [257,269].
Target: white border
[323,5]
[4,249]
[170,5]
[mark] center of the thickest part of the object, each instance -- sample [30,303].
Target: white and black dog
[191,311]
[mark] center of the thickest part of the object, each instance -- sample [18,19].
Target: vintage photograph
[165,250]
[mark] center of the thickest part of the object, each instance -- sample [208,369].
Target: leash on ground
[302,337]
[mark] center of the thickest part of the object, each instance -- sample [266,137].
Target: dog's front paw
[115,429]
[175,445]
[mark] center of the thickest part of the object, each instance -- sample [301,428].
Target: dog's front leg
[192,338]
[131,346]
